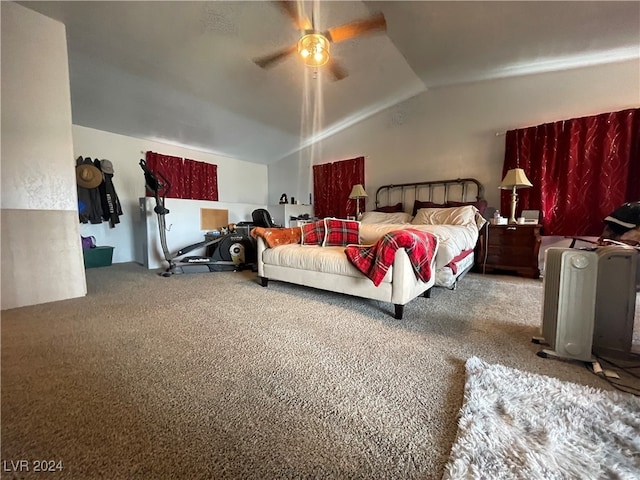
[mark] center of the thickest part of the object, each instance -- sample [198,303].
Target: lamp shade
[358,192]
[515,178]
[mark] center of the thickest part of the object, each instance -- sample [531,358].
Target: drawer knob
[511,228]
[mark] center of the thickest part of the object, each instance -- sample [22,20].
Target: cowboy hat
[88,176]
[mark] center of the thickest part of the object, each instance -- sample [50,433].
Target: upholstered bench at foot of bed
[399,308]
[399,286]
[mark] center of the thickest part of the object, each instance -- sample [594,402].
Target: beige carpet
[213,376]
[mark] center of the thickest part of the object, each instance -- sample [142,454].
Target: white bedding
[445,276]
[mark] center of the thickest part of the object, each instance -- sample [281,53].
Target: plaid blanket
[374,260]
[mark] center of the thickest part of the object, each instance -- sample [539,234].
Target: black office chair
[622,226]
[262,218]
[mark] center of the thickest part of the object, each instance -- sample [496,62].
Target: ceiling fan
[314,46]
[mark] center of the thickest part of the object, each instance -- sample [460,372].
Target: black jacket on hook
[111,208]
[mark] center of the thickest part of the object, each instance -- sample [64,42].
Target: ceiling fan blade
[301,22]
[337,71]
[356,28]
[270,60]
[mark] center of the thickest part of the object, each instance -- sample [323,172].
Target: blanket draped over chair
[374,260]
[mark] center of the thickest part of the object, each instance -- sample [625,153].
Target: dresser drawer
[511,236]
[520,260]
[510,248]
[510,251]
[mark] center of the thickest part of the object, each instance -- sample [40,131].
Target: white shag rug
[518,425]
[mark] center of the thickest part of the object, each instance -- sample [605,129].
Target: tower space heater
[569,303]
[615,300]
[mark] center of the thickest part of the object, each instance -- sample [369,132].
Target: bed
[450,209]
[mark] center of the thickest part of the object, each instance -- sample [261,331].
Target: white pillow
[446,216]
[382,217]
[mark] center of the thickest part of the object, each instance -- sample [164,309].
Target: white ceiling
[182,72]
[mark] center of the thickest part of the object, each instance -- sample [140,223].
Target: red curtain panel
[346,174]
[322,190]
[201,180]
[171,168]
[332,183]
[581,170]
[189,178]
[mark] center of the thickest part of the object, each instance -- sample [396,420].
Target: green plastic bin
[97,257]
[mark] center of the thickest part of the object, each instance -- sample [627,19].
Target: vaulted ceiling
[183,72]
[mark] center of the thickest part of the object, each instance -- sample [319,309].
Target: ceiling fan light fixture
[314,49]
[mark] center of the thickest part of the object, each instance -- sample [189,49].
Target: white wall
[41,251]
[242,187]
[451,132]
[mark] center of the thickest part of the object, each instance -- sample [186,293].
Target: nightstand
[512,248]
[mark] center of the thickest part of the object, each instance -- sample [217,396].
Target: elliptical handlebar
[152,182]
[154,186]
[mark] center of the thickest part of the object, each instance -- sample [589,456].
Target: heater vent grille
[568,314]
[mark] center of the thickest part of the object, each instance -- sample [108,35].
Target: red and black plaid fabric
[453,264]
[313,233]
[374,260]
[340,233]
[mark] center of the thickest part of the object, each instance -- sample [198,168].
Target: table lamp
[513,180]
[357,192]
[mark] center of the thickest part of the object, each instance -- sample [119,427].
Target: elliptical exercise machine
[234,251]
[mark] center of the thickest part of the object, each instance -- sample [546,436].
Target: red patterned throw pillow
[340,233]
[313,233]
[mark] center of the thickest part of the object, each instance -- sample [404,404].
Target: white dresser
[281,214]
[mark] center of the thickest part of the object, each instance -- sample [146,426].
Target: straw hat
[88,176]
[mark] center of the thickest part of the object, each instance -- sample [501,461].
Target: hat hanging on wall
[106,166]
[88,176]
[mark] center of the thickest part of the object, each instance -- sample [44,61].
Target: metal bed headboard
[438,191]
